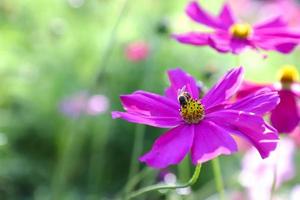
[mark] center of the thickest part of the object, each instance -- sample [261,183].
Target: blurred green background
[51,50]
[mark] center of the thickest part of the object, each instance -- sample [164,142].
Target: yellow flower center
[192,111]
[288,74]
[241,30]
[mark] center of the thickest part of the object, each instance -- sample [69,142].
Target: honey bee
[183,97]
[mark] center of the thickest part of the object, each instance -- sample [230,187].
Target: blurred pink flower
[289,91]
[82,103]
[257,175]
[137,51]
[74,105]
[97,104]
[165,176]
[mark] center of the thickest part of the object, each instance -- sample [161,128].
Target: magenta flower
[231,35]
[285,117]
[201,126]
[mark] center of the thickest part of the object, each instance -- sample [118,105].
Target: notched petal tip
[273,142]
[250,127]
[216,153]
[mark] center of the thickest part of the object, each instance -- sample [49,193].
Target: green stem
[184,169]
[99,75]
[273,189]
[137,149]
[164,187]
[218,178]
[136,179]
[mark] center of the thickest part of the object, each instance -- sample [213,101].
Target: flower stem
[184,169]
[135,180]
[218,178]
[100,74]
[273,189]
[164,187]
[137,148]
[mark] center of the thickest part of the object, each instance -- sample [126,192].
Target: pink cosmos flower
[201,126]
[137,51]
[285,117]
[231,35]
[258,175]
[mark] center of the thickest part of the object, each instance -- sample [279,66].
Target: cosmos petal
[195,12]
[248,88]
[160,122]
[238,45]
[220,41]
[285,117]
[279,33]
[149,104]
[275,22]
[295,88]
[258,102]
[286,47]
[249,126]
[170,148]
[281,44]
[226,16]
[150,109]
[179,79]
[210,141]
[193,38]
[224,89]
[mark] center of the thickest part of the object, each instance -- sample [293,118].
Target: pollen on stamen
[288,74]
[241,30]
[192,112]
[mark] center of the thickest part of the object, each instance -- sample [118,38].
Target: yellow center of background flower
[192,112]
[288,74]
[241,30]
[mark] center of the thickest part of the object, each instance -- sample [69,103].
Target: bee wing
[182,90]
